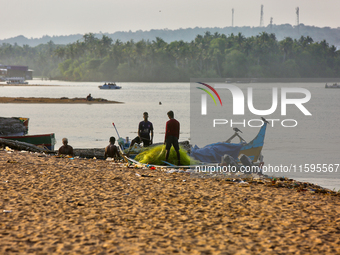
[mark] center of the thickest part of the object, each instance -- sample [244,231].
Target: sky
[36,18]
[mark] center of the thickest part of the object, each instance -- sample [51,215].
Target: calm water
[314,141]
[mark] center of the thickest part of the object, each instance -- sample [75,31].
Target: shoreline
[63,100]
[61,205]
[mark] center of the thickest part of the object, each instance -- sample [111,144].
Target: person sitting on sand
[65,149]
[89,97]
[111,150]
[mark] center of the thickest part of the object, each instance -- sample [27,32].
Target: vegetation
[207,56]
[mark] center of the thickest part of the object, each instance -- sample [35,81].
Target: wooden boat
[44,140]
[252,149]
[13,126]
[213,153]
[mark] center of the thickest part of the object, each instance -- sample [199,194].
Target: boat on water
[110,85]
[16,80]
[334,86]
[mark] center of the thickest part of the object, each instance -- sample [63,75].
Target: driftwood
[90,153]
[16,145]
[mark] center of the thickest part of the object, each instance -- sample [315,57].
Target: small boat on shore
[16,128]
[110,85]
[334,86]
[44,140]
[13,126]
[213,153]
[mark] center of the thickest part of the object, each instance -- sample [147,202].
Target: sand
[87,206]
[63,100]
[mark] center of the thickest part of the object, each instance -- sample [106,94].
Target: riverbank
[87,206]
[62,100]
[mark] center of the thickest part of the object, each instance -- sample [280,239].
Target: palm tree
[286,46]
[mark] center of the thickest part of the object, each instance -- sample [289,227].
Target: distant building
[16,71]
[3,72]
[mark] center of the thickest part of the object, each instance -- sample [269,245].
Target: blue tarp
[213,153]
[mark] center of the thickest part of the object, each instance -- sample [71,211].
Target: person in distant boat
[66,149]
[145,129]
[172,128]
[111,150]
[89,97]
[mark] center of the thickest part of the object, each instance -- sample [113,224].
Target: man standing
[145,128]
[111,150]
[172,136]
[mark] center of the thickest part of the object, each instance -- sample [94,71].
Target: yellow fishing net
[156,155]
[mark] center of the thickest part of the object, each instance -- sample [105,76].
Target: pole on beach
[120,147]
[116,129]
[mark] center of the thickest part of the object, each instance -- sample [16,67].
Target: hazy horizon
[37,18]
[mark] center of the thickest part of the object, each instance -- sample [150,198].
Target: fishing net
[156,155]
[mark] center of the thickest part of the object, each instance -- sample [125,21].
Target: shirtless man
[111,150]
[65,149]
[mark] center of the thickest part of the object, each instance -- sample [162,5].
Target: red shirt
[172,128]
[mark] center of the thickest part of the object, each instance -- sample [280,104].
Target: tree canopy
[207,56]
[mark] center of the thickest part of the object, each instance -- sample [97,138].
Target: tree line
[207,56]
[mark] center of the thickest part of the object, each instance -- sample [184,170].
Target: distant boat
[109,85]
[334,86]
[15,80]
[44,140]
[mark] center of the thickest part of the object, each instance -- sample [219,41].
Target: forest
[207,56]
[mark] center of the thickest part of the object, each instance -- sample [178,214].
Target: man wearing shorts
[172,136]
[145,128]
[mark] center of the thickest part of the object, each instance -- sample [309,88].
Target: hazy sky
[35,18]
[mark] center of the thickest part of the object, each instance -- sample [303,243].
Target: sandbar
[90,206]
[63,100]
[27,85]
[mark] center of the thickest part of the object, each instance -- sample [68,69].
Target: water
[314,141]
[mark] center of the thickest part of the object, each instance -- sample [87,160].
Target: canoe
[253,149]
[43,140]
[213,153]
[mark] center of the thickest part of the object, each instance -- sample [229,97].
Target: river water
[314,141]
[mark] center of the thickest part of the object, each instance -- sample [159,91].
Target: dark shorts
[146,142]
[171,140]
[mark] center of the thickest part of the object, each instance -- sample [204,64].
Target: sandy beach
[63,100]
[89,206]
